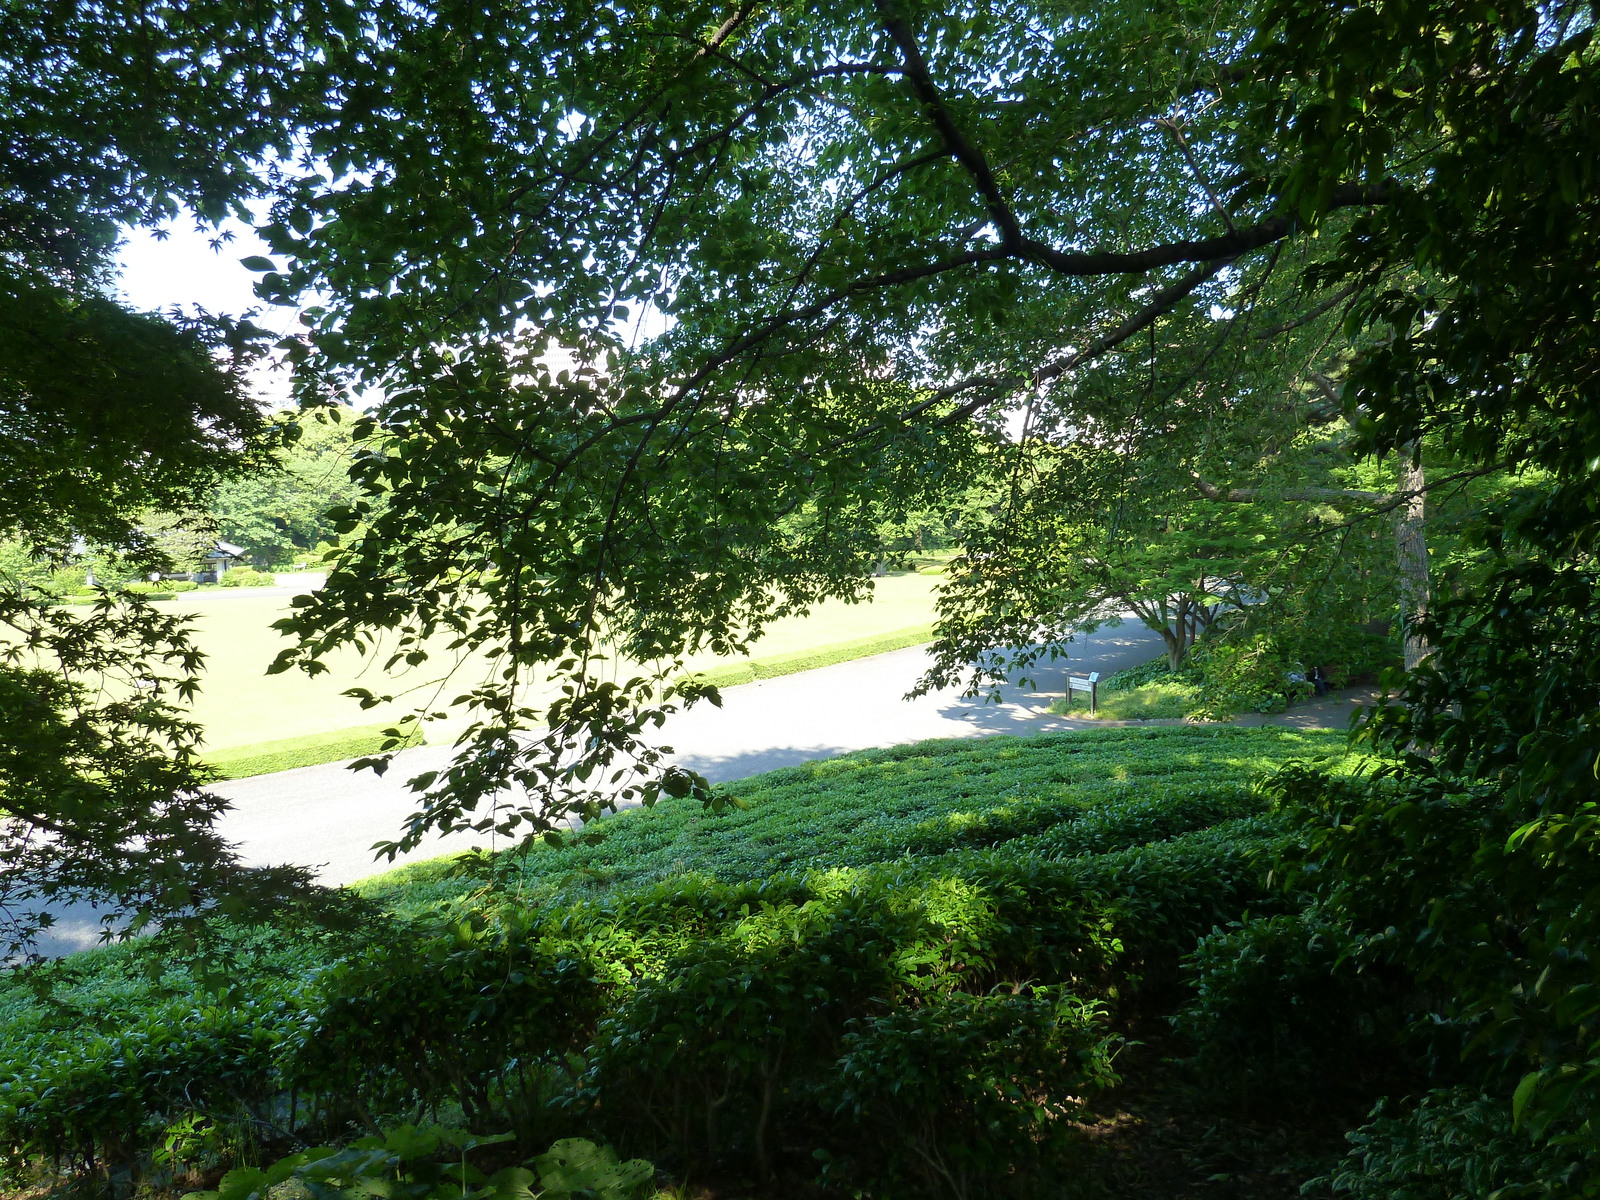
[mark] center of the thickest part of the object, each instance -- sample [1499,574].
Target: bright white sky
[184,270]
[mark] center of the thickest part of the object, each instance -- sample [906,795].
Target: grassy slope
[240,705]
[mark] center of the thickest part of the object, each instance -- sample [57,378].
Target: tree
[818,353]
[105,415]
[1479,857]
[280,512]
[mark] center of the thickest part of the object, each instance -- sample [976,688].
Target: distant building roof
[226,550]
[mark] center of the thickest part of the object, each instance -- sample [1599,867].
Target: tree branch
[724,31]
[1171,124]
[1228,245]
[961,149]
[1308,316]
[1160,305]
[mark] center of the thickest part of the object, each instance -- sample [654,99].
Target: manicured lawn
[1147,702]
[241,705]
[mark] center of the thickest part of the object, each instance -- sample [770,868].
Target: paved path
[329,817]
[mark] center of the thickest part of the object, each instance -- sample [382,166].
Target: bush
[1283,1015]
[1250,672]
[1457,1142]
[967,1095]
[733,1040]
[245,577]
[101,1098]
[1154,671]
[452,1016]
[1245,675]
[925,799]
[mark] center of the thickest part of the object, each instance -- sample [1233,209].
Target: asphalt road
[328,817]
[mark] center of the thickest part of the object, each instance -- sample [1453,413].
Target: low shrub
[98,1099]
[877,806]
[967,1095]
[432,1163]
[245,577]
[732,1042]
[150,591]
[459,1016]
[1265,671]
[1155,670]
[1284,1014]
[1456,1142]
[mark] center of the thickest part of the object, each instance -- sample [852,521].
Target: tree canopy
[640,283]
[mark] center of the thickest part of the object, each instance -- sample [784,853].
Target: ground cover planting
[925,799]
[936,969]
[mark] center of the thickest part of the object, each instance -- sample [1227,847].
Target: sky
[184,270]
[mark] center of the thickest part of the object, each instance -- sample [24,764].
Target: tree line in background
[276,513]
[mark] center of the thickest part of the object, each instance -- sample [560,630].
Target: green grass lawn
[241,706]
[1146,702]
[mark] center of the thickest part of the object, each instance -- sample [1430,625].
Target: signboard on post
[1086,683]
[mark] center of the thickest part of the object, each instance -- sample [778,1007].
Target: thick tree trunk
[1411,553]
[1177,649]
[1180,637]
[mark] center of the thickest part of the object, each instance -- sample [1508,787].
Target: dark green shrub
[1456,1142]
[1154,671]
[97,1100]
[245,577]
[966,1095]
[1284,1015]
[457,1016]
[734,1039]
[1160,899]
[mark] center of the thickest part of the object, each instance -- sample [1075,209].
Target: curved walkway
[328,817]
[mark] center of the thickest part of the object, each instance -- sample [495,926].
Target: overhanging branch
[960,146]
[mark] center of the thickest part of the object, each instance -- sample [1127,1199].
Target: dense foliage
[908,971]
[279,514]
[673,308]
